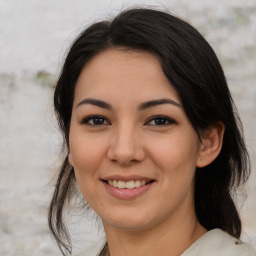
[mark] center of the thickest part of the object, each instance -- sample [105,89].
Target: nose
[126,147]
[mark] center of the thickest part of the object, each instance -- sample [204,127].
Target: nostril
[125,152]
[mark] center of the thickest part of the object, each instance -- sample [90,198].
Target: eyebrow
[153,103]
[142,106]
[95,102]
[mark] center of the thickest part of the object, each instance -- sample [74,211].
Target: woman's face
[132,146]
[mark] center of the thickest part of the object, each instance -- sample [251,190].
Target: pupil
[98,121]
[160,121]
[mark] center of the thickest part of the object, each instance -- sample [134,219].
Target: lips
[127,184]
[127,187]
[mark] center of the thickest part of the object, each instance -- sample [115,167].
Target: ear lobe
[211,145]
[70,159]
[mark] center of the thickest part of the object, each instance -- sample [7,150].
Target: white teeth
[115,183]
[143,182]
[137,183]
[121,184]
[128,184]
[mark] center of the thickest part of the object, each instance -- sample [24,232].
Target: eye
[160,121]
[95,120]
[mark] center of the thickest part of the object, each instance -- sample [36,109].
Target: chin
[129,222]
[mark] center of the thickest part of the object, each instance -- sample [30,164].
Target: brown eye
[160,121]
[95,121]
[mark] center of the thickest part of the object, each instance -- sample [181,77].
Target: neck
[167,239]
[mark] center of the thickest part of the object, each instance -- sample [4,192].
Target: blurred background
[34,37]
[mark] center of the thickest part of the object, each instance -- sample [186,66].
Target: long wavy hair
[193,69]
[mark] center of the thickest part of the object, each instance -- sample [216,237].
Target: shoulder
[218,242]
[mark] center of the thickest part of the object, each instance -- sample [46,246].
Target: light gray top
[213,243]
[219,243]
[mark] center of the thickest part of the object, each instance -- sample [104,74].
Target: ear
[211,144]
[70,159]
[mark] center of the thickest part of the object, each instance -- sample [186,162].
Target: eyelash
[94,118]
[161,118]
[99,120]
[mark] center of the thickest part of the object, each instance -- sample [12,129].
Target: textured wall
[34,38]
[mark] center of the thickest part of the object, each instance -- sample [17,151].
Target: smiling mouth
[131,184]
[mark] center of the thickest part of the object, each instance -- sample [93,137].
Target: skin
[131,140]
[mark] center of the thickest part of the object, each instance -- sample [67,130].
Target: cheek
[87,157]
[86,152]
[175,151]
[175,155]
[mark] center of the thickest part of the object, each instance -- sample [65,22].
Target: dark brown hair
[193,69]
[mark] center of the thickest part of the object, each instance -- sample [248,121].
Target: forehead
[124,74]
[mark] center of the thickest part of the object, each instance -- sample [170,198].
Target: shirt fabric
[215,242]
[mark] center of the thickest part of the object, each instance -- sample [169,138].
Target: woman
[153,139]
